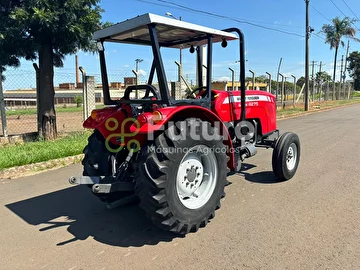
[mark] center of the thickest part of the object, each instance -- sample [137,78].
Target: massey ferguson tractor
[173,154]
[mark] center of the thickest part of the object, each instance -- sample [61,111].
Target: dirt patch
[65,121]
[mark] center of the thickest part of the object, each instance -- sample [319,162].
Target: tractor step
[102,184]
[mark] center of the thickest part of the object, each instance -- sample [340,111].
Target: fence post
[136,73]
[183,79]
[175,90]
[83,73]
[269,86]
[282,90]
[253,79]
[2,108]
[294,92]
[232,78]
[349,90]
[90,94]
[37,72]
[327,90]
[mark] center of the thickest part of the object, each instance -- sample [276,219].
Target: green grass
[289,111]
[57,109]
[32,152]
[356,94]
[33,111]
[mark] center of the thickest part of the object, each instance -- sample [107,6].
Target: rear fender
[173,114]
[114,123]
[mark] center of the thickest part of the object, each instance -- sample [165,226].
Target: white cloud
[223,79]
[141,72]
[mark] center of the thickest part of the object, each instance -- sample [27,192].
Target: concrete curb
[35,168]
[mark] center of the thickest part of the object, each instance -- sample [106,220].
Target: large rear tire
[97,159]
[286,156]
[97,162]
[180,180]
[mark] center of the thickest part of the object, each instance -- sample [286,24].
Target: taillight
[157,117]
[93,114]
[142,119]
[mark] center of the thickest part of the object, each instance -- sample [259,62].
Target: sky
[273,29]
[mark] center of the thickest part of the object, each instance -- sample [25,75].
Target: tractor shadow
[264,177]
[86,216]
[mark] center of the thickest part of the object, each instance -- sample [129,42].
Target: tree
[262,79]
[12,45]
[322,76]
[78,100]
[335,32]
[300,82]
[13,41]
[354,68]
[53,29]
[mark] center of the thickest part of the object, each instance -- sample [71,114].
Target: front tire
[180,180]
[286,156]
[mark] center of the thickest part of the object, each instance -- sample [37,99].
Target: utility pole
[277,79]
[341,72]
[312,79]
[307,36]
[343,76]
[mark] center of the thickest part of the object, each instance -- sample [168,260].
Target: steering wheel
[192,93]
[149,89]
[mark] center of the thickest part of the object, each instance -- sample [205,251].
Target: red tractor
[173,155]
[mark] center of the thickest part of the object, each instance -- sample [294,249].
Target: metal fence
[73,105]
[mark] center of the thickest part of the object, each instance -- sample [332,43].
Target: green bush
[78,100]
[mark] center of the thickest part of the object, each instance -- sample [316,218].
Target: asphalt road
[309,222]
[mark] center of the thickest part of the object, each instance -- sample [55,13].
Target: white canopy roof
[170,32]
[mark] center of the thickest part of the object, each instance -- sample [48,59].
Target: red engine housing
[260,106]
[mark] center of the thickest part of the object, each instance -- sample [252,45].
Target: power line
[351,10]
[224,17]
[351,20]
[320,37]
[319,12]
[338,8]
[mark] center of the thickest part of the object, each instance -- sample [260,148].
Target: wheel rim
[196,177]
[291,156]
